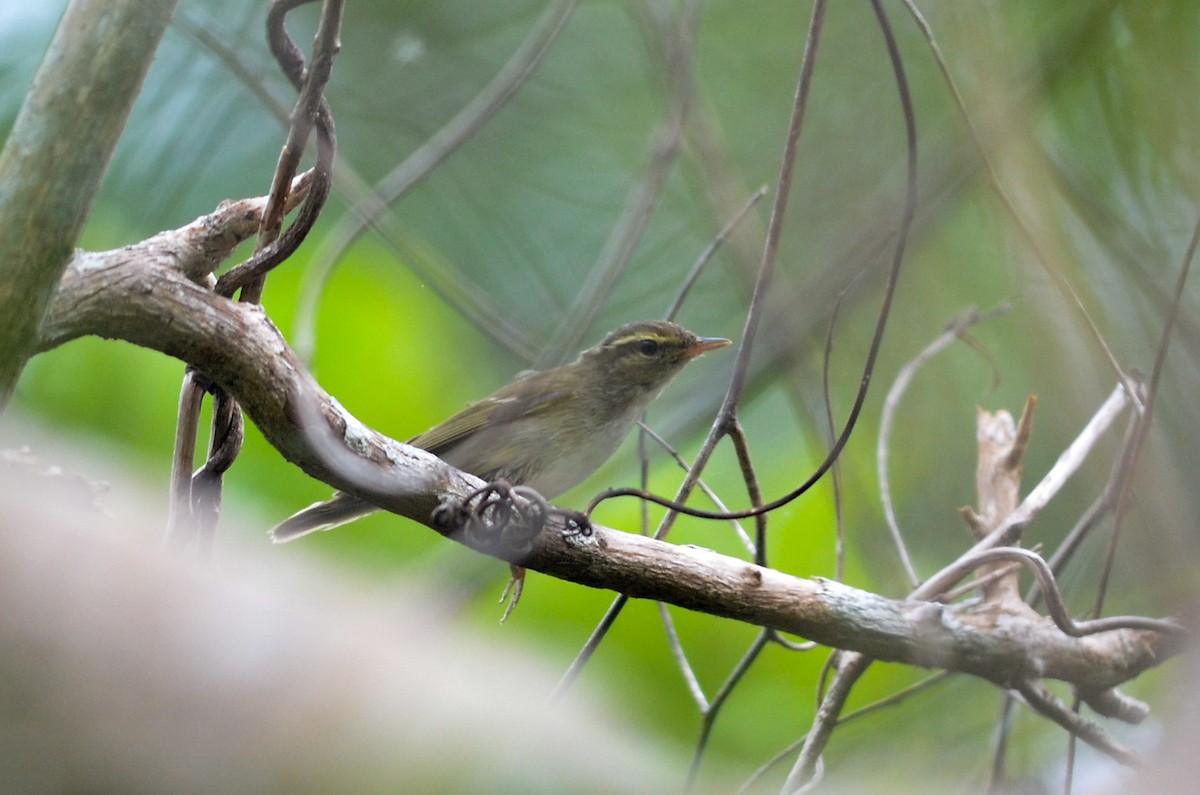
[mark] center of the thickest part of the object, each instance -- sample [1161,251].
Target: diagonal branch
[152,303]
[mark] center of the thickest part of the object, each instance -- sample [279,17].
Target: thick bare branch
[122,295]
[145,298]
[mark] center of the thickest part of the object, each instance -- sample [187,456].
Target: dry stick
[851,669]
[670,138]
[617,251]
[1057,561]
[1055,604]
[749,332]
[183,459]
[643,454]
[709,715]
[1002,446]
[1133,455]
[766,274]
[623,239]
[1143,427]
[644,430]
[1041,255]
[371,204]
[706,256]
[1091,516]
[347,181]
[791,645]
[741,362]
[181,523]
[708,712]
[1063,468]
[741,447]
[685,666]
[1004,723]
[149,303]
[310,110]
[1049,705]
[1067,464]
[737,436]
[738,530]
[953,331]
[1134,247]
[862,712]
[681,295]
[978,583]
[839,524]
[590,645]
[225,442]
[673,641]
[230,59]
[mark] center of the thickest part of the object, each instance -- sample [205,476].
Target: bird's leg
[516,585]
[505,519]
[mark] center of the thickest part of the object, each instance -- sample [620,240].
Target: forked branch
[146,298]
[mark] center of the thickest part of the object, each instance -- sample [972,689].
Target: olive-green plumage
[547,429]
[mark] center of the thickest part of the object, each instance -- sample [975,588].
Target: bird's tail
[321,516]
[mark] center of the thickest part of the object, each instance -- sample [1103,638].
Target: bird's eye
[648,347]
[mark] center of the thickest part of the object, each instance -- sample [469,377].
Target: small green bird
[548,429]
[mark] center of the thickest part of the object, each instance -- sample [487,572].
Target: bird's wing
[517,400]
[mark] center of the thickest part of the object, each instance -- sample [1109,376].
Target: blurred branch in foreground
[127,668]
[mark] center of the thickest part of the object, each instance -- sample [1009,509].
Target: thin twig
[681,660]
[738,530]
[706,256]
[766,272]
[1004,722]
[774,231]
[179,519]
[225,443]
[203,494]
[1067,464]
[626,233]
[370,204]
[311,111]
[839,544]
[230,58]
[978,583]
[589,647]
[680,86]
[1143,427]
[741,447]
[1091,516]
[954,330]
[714,709]
[1052,707]
[1054,600]
[791,645]
[1040,254]
[850,668]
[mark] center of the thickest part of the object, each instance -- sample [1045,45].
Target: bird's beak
[706,344]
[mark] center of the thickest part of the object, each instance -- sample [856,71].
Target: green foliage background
[1085,108]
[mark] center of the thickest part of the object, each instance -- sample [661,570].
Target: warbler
[548,429]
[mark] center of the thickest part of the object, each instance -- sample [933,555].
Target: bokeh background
[1085,110]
